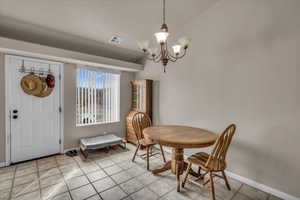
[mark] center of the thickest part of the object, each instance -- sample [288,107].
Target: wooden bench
[99,142]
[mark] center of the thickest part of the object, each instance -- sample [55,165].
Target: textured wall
[243,67]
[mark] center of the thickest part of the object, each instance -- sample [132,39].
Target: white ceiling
[88,24]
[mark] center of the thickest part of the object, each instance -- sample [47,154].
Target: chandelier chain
[164,11]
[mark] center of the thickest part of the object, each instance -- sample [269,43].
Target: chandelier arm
[172,59]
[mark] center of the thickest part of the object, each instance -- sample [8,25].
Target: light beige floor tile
[121,177]
[174,195]
[128,198]
[49,172]
[126,164]
[136,171]
[94,176]
[5,184]
[144,194]
[160,188]
[105,163]
[53,190]
[87,168]
[48,160]
[65,161]
[30,196]
[240,196]
[253,193]
[25,179]
[4,170]
[25,171]
[4,194]
[64,196]
[77,182]
[47,166]
[83,192]
[113,169]
[104,184]
[6,176]
[25,165]
[131,186]
[25,188]
[51,180]
[70,171]
[147,178]
[95,197]
[114,193]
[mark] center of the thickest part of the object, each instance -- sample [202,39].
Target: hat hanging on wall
[46,90]
[50,81]
[31,84]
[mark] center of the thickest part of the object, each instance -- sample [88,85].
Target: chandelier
[165,55]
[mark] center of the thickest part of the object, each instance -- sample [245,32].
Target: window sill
[98,123]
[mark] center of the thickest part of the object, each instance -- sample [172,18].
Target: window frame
[118,96]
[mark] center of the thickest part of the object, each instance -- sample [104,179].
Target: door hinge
[59,76]
[59,141]
[60,109]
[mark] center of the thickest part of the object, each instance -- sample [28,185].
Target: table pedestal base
[176,165]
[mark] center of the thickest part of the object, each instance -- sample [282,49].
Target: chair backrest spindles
[140,121]
[221,145]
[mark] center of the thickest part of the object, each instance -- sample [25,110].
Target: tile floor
[106,176]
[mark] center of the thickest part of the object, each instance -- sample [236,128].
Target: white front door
[34,121]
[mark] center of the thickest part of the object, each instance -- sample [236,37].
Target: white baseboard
[2,164]
[262,187]
[254,184]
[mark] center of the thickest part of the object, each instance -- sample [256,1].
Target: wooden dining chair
[213,163]
[140,121]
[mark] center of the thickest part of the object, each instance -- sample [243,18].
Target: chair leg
[212,187]
[162,153]
[137,148]
[226,181]
[199,171]
[148,149]
[186,174]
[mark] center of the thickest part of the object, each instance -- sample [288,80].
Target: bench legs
[83,151]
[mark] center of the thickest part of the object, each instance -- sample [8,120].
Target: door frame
[7,103]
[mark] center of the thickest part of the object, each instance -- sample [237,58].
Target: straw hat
[46,90]
[31,84]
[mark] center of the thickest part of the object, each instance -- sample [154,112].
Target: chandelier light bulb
[144,45]
[176,49]
[184,42]
[161,37]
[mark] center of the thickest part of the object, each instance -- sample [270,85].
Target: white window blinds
[97,97]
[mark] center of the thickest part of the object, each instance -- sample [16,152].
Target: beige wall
[72,133]
[243,67]
[2,110]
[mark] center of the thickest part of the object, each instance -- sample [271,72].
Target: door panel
[36,131]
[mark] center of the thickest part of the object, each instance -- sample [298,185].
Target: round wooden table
[179,138]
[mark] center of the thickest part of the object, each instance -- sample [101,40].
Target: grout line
[12,184]
[39,180]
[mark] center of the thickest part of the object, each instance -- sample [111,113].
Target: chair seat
[146,142]
[201,158]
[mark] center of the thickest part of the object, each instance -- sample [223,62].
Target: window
[97,97]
